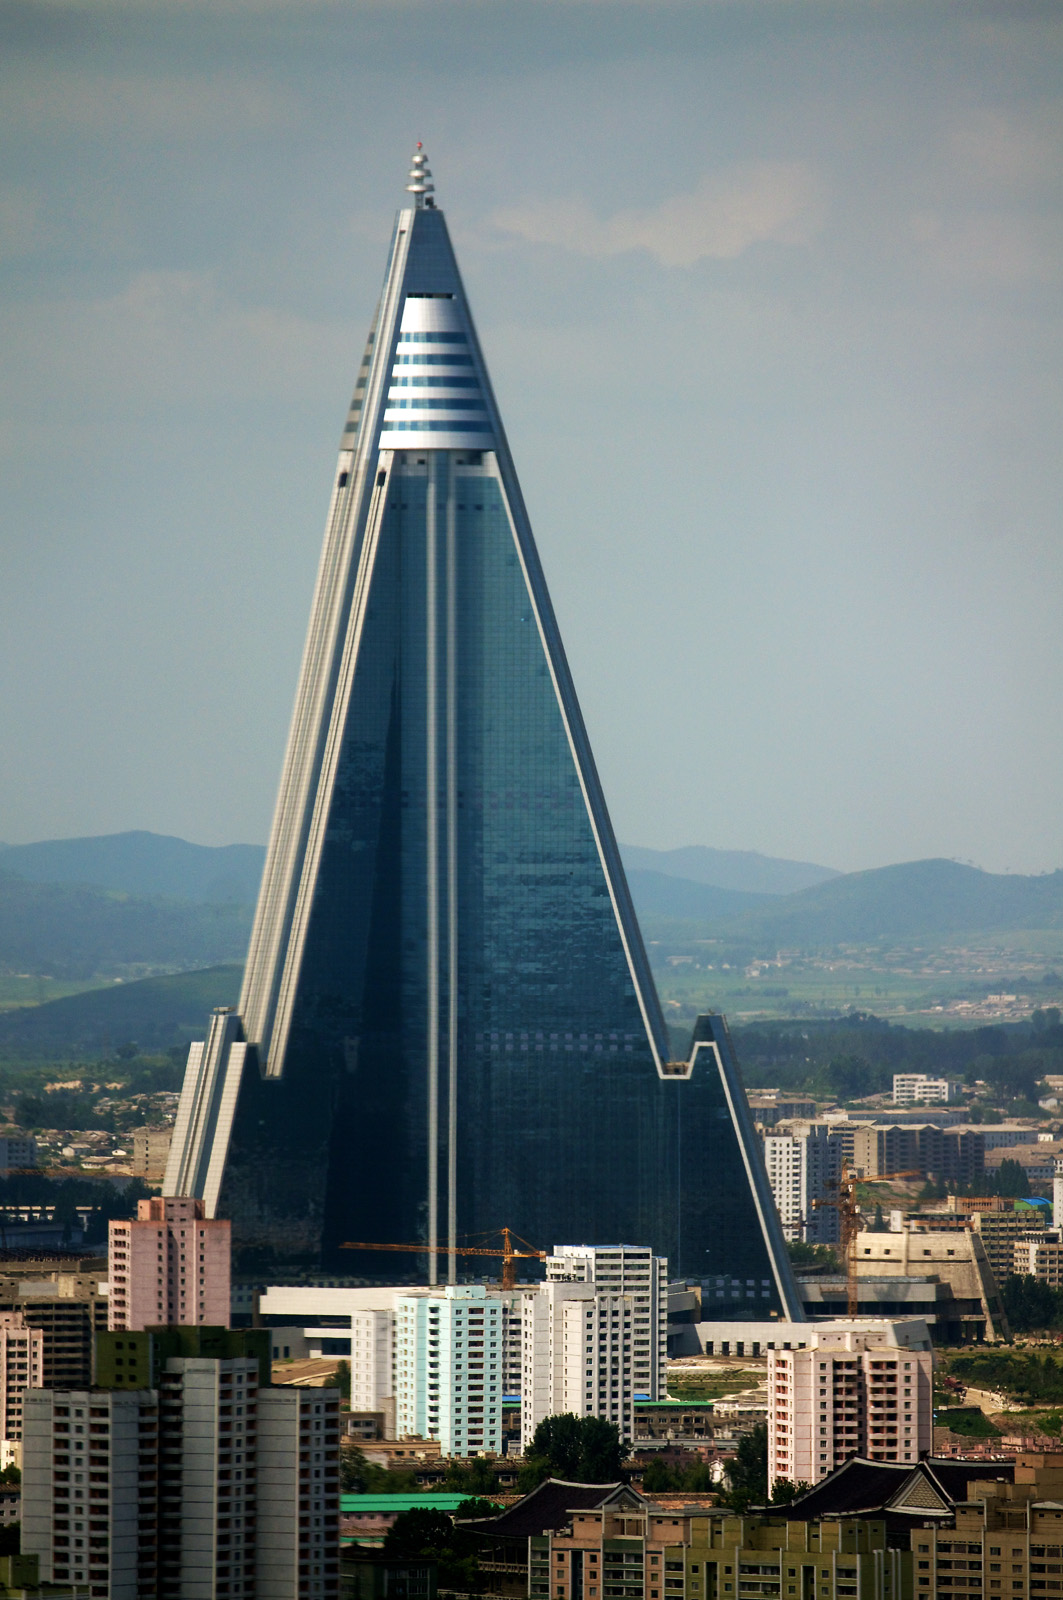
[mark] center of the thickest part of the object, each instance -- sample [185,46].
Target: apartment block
[1040,1257]
[626,1546]
[151,1149]
[372,1359]
[1001,1231]
[917,1088]
[90,1487]
[17,1150]
[802,1162]
[946,1154]
[297,1546]
[67,1301]
[204,1484]
[595,1336]
[846,1394]
[448,1368]
[1005,1541]
[170,1266]
[21,1368]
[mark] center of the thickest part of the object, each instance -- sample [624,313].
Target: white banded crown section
[435,400]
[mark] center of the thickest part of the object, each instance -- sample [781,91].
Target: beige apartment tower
[847,1394]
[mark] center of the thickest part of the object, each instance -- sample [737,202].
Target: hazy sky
[770,294]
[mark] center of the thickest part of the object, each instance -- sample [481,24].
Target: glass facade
[450,1025]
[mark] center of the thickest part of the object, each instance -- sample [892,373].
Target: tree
[1012,1180]
[341,1380]
[785,1492]
[478,1478]
[747,1471]
[475,1508]
[578,1449]
[424,1533]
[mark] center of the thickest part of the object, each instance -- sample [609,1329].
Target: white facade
[326,1314]
[917,1088]
[21,1368]
[62,1488]
[372,1359]
[757,1338]
[595,1336]
[1057,1194]
[297,1460]
[846,1394]
[448,1368]
[801,1163]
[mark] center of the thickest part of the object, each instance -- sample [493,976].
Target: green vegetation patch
[1024,1375]
[969,1421]
[694,1384]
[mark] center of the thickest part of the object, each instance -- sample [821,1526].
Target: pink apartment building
[169,1267]
[850,1393]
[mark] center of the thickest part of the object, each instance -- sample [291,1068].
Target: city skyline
[799,487]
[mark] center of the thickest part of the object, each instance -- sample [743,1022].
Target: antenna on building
[420,183]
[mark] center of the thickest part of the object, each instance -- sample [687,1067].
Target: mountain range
[128,903]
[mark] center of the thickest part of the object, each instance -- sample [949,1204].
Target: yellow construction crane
[844,1202]
[508,1254]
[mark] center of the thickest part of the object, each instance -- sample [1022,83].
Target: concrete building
[802,1160]
[448,1368]
[1001,1231]
[591,1540]
[325,1313]
[90,1489]
[372,1360]
[918,1088]
[67,1300]
[17,1150]
[595,1336]
[846,1394]
[21,1368]
[1057,1194]
[1037,1160]
[170,1266]
[151,1149]
[1040,1257]
[956,1259]
[204,1483]
[951,1155]
[297,1459]
[757,1338]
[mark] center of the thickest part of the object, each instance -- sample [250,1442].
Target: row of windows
[438,381]
[437,403]
[458,425]
[433,361]
[432,338]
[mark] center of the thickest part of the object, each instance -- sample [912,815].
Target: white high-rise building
[448,1368]
[846,1393]
[802,1161]
[595,1335]
[1057,1194]
[372,1359]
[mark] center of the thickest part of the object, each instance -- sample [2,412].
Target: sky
[769,291]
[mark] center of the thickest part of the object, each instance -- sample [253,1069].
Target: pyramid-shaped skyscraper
[448,1021]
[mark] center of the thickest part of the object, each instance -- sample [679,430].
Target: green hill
[66,930]
[144,865]
[156,1013]
[915,900]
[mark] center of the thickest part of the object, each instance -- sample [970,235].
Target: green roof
[685,1404]
[352,1503]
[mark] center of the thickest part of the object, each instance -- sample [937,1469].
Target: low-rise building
[151,1150]
[918,1088]
[1040,1257]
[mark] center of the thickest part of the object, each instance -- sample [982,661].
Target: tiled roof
[548,1507]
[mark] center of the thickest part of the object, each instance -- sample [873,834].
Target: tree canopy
[578,1449]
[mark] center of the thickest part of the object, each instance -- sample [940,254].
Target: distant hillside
[657,895]
[156,1013]
[915,900]
[741,870]
[66,930]
[143,864]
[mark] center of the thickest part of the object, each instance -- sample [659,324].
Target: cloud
[724,216]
